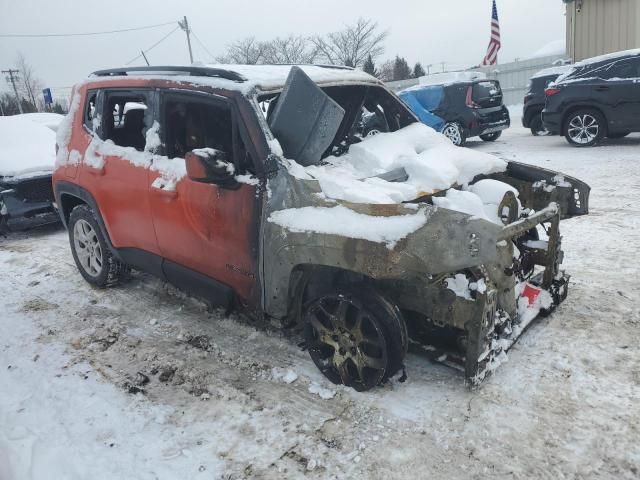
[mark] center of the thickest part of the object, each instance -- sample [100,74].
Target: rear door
[114,168]
[204,227]
[618,87]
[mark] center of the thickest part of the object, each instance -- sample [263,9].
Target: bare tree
[29,85]
[352,45]
[386,72]
[291,49]
[246,51]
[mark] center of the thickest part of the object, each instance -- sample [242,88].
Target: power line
[202,45]
[20,35]
[152,46]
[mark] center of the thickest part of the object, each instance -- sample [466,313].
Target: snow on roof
[448,78]
[50,120]
[27,148]
[262,77]
[557,47]
[559,70]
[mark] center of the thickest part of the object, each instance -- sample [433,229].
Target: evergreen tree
[370,67]
[401,69]
[418,71]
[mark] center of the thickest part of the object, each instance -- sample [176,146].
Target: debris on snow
[323,393]
[284,375]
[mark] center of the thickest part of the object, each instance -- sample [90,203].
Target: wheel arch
[574,108]
[308,281]
[68,196]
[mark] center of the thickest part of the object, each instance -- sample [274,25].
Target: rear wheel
[584,128]
[454,132]
[491,137]
[90,251]
[537,127]
[355,337]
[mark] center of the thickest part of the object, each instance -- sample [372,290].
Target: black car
[460,109]
[535,98]
[599,98]
[26,202]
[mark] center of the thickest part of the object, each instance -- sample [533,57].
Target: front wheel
[355,337]
[454,132]
[491,137]
[585,128]
[92,255]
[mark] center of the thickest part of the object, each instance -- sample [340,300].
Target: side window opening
[191,125]
[90,109]
[124,120]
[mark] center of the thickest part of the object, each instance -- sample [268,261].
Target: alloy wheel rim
[87,247]
[345,343]
[452,132]
[583,129]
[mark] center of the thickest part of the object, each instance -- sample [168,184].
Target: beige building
[595,27]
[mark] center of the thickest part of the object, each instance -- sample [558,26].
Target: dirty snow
[565,406]
[340,220]
[27,148]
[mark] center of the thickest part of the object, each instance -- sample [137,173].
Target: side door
[619,88]
[115,166]
[205,229]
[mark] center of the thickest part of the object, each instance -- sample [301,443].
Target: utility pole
[145,57]
[13,79]
[429,68]
[184,25]
[442,63]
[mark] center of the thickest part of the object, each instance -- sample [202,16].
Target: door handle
[165,193]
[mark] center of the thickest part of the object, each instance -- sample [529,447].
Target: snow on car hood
[27,148]
[431,161]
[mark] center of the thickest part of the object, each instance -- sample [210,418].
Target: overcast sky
[429,31]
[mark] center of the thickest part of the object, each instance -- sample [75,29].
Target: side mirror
[208,165]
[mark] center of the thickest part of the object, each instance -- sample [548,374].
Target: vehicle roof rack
[192,71]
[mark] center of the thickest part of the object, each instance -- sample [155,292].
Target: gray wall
[595,27]
[513,76]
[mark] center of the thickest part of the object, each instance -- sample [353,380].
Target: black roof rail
[192,71]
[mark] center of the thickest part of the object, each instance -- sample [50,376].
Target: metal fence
[513,76]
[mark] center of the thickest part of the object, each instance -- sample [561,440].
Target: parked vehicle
[535,98]
[291,215]
[599,98]
[460,109]
[27,157]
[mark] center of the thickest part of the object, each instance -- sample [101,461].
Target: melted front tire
[355,337]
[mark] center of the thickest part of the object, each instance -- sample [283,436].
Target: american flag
[491,58]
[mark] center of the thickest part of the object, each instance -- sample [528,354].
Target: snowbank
[49,120]
[27,148]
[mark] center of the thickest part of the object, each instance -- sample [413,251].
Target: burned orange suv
[256,187]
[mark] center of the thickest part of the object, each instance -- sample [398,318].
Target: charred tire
[454,132]
[92,255]
[537,127]
[355,337]
[491,137]
[585,128]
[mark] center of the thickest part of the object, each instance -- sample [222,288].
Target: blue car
[460,109]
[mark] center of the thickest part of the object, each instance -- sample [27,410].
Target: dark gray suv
[599,98]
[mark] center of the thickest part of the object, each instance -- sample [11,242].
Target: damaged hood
[398,167]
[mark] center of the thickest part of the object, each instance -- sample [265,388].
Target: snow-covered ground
[229,399]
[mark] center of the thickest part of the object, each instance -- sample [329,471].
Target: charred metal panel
[305,120]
